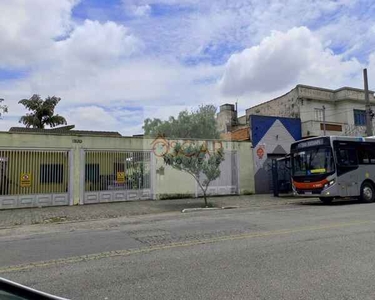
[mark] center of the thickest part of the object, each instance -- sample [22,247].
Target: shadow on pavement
[334,203]
[173,206]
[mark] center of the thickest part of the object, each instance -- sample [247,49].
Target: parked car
[10,290]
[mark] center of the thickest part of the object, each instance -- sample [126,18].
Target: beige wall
[172,182]
[175,182]
[246,167]
[302,101]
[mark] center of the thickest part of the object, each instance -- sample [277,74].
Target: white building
[344,109]
[274,125]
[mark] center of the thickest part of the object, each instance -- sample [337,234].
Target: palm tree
[42,112]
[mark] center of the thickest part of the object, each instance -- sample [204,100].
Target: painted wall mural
[271,138]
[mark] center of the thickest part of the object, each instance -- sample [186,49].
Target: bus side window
[347,157]
[371,155]
[363,156]
[366,155]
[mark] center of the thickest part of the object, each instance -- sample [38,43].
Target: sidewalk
[30,216]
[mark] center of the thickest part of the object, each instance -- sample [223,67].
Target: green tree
[3,108]
[199,124]
[195,160]
[42,112]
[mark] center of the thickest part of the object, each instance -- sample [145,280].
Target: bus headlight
[329,183]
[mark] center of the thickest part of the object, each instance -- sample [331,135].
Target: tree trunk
[205,194]
[205,198]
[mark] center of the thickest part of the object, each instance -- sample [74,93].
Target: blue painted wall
[260,124]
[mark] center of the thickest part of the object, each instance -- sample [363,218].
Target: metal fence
[34,178]
[116,175]
[281,175]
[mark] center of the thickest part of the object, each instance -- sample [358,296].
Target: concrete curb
[185,210]
[230,207]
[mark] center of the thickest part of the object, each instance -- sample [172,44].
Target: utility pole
[324,120]
[368,106]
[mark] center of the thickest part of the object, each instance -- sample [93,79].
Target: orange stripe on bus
[310,185]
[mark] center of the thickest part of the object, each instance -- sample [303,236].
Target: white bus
[334,167]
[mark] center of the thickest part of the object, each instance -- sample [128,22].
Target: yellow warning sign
[120,177]
[25,179]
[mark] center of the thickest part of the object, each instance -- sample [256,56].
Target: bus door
[347,173]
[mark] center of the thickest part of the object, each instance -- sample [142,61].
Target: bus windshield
[313,161]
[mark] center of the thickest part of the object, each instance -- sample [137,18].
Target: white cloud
[79,66]
[137,8]
[7,122]
[105,71]
[128,122]
[142,10]
[371,71]
[198,27]
[285,59]
[29,27]
[97,118]
[109,98]
[88,117]
[137,82]
[96,43]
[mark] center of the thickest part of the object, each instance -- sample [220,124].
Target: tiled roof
[63,131]
[241,134]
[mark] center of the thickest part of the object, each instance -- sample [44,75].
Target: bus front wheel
[326,200]
[367,192]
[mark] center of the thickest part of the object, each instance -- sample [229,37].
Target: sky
[116,62]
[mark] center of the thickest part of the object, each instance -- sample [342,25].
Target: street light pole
[368,106]
[324,120]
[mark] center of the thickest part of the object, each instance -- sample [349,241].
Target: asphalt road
[309,251]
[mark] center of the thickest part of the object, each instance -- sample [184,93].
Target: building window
[318,114]
[51,173]
[359,117]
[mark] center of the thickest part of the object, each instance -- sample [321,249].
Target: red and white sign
[260,152]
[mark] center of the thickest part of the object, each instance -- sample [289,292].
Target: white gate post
[82,176]
[71,177]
